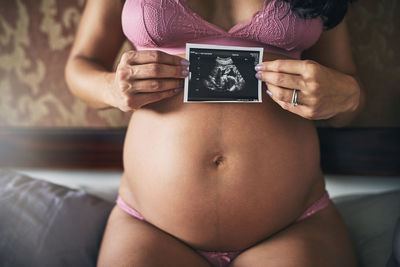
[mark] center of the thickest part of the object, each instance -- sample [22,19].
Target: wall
[35,39]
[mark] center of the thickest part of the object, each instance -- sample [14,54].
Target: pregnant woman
[217,184]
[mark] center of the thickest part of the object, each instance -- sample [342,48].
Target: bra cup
[137,34]
[285,26]
[163,17]
[158,18]
[276,26]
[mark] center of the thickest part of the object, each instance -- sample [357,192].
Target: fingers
[153,70]
[285,95]
[148,98]
[151,85]
[293,66]
[283,79]
[143,77]
[137,65]
[301,110]
[134,57]
[136,101]
[306,107]
[282,76]
[150,78]
[307,76]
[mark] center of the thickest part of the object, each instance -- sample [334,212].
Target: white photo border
[221,47]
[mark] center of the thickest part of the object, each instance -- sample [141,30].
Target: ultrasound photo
[222,74]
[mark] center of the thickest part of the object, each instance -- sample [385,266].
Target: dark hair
[331,11]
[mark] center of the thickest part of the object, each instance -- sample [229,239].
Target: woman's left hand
[322,92]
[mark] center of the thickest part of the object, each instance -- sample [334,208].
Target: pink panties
[223,258]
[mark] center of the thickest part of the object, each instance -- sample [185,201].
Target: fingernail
[258,67]
[268,92]
[185,62]
[176,90]
[258,76]
[185,72]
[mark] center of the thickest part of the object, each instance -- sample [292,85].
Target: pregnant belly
[220,176]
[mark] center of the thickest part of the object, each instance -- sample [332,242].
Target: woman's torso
[220,176]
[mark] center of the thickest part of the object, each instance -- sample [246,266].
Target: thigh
[319,240]
[130,242]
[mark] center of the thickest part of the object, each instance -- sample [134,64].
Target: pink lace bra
[167,25]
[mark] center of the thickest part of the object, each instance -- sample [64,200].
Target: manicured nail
[177,90]
[268,92]
[185,62]
[258,76]
[185,72]
[258,67]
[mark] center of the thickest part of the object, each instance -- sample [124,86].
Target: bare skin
[207,176]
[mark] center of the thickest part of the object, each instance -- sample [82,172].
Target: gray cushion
[371,221]
[43,224]
[394,260]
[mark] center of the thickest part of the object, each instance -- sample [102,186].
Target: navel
[218,160]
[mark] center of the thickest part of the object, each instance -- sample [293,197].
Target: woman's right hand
[144,77]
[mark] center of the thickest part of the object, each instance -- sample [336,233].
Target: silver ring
[294,98]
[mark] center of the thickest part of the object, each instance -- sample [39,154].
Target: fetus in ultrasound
[225,77]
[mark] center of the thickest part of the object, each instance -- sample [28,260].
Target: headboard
[43,126]
[358,151]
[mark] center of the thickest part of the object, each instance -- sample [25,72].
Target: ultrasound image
[218,75]
[225,77]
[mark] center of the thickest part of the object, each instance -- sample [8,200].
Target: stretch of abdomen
[220,176]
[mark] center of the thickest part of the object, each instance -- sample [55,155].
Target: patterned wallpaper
[35,39]
[36,35]
[374,26]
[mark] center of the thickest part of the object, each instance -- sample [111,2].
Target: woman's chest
[225,13]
